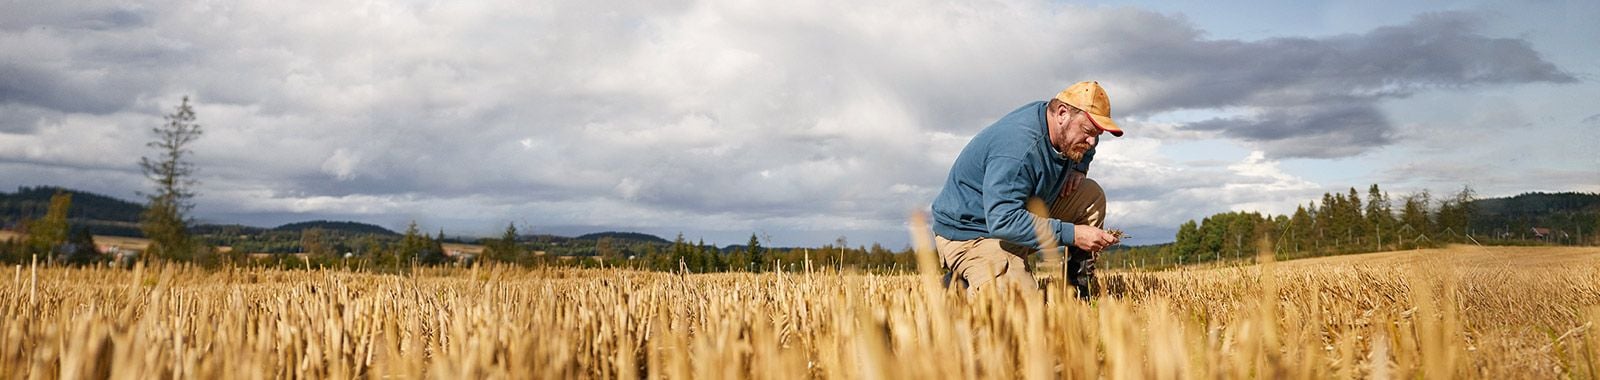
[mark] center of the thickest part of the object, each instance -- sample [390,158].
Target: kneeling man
[1040,151]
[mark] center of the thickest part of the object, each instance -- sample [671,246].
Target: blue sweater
[1000,169]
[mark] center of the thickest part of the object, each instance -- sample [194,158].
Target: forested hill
[1349,223]
[1566,212]
[33,202]
[351,227]
[625,236]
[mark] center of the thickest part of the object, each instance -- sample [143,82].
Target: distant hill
[1572,213]
[350,227]
[624,236]
[33,202]
[227,229]
[102,215]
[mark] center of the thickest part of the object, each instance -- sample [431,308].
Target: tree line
[1344,223]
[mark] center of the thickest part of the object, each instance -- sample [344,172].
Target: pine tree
[1380,218]
[434,254]
[412,245]
[164,221]
[1353,221]
[1300,230]
[1455,213]
[1415,216]
[505,249]
[757,254]
[82,249]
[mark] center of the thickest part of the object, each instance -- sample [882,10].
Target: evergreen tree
[434,253]
[1455,213]
[1241,234]
[1352,221]
[1300,230]
[505,249]
[80,248]
[1380,218]
[164,221]
[757,254]
[1323,221]
[1415,216]
[412,245]
[714,257]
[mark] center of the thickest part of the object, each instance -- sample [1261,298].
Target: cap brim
[1105,124]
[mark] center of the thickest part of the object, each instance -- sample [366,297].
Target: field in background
[1462,311]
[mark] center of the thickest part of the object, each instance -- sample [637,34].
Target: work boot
[1080,272]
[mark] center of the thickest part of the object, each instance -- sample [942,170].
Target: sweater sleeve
[1005,196]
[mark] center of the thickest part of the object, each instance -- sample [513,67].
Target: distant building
[1540,232]
[1543,233]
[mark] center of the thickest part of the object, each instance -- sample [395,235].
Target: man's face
[1081,135]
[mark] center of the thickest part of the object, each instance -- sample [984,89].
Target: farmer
[1041,151]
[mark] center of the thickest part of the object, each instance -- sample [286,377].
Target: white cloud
[712,115]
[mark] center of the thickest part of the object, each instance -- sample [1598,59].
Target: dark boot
[1080,272]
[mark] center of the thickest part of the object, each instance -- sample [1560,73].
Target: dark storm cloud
[27,84]
[1311,93]
[1315,131]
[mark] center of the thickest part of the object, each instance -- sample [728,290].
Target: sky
[800,122]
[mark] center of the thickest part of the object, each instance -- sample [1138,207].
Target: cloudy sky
[799,121]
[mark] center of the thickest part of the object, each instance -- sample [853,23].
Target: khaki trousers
[986,263]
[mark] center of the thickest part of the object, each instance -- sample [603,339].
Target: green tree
[758,255]
[1455,213]
[505,249]
[314,242]
[1352,222]
[81,248]
[434,254]
[49,232]
[606,250]
[1300,232]
[1415,216]
[412,245]
[1188,241]
[1380,218]
[164,219]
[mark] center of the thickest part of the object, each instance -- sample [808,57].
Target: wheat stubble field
[1459,312]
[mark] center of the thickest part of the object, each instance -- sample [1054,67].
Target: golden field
[1470,312]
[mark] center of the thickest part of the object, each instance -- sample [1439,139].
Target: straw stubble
[1428,319]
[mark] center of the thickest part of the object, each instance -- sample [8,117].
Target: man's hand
[1092,239]
[1074,178]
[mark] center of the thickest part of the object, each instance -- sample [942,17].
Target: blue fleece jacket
[1000,169]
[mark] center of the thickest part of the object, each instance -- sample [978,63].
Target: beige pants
[985,263]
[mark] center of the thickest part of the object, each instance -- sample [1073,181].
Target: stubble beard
[1077,151]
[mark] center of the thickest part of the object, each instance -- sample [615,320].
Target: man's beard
[1077,151]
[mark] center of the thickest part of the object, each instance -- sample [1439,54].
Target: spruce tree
[164,221]
[757,254]
[1380,218]
[505,249]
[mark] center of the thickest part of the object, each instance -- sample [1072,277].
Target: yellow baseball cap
[1091,98]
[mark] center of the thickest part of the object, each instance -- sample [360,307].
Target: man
[1040,151]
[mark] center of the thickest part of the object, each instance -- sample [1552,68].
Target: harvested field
[1431,314]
